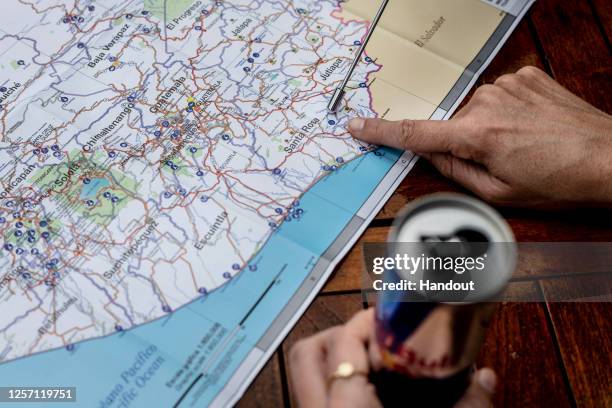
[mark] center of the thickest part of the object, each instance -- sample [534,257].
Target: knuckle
[476,127]
[299,351]
[336,334]
[444,165]
[487,99]
[484,90]
[531,72]
[336,331]
[407,131]
[507,79]
[337,338]
[494,194]
[487,94]
[362,314]
[376,128]
[446,168]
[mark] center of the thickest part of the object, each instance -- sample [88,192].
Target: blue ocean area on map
[160,363]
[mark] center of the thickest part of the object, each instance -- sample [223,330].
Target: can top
[447,232]
[445,214]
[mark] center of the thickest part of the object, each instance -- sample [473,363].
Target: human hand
[523,141]
[314,360]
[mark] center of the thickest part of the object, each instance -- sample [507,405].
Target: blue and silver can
[449,255]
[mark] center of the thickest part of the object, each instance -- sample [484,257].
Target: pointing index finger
[420,136]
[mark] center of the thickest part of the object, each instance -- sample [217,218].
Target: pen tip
[336,101]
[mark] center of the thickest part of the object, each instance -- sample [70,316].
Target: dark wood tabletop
[546,354]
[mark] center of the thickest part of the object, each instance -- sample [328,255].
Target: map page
[173,191]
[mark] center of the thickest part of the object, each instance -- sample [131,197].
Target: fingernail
[487,380]
[356,125]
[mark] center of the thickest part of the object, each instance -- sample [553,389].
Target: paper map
[173,192]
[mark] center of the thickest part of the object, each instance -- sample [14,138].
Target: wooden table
[546,354]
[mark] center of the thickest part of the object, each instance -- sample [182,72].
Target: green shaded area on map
[85,186]
[173,8]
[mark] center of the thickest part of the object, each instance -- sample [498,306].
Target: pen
[339,93]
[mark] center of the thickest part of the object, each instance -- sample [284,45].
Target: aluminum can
[429,339]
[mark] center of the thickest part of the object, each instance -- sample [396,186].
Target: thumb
[481,391]
[471,175]
[420,136]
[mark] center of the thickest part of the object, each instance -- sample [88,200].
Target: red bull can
[449,255]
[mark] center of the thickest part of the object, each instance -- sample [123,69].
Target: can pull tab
[463,242]
[471,235]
